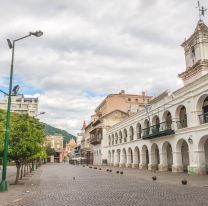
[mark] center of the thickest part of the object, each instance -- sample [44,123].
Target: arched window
[125,135]
[146,129]
[131,133]
[109,140]
[116,138]
[205,110]
[168,120]
[113,139]
[183,117]
[156,125]
[138,131]
[120,137]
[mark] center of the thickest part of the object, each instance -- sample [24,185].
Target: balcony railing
[158,130]
[203,118]
[181,124]
[95,140]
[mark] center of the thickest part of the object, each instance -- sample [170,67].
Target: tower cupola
[196,54]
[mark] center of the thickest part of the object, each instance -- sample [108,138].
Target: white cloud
[92,48]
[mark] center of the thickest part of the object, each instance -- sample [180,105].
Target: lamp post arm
[3,92]
[21,38]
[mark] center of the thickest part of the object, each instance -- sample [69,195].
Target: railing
[95,140]
[181,124]
[203,118]
[158,130]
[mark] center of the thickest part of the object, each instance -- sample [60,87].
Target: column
[177,162]
[116,162]
[143,164]
[135,159]
[163,166]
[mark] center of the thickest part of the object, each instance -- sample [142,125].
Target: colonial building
[21,104]
[56,142]
[113,109]
[171,133]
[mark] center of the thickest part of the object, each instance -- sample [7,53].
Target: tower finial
[201,10]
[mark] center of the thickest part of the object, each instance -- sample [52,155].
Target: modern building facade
[171,134]
[21,104]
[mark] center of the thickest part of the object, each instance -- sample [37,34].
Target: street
[64,184]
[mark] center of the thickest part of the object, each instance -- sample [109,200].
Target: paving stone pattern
[55,185]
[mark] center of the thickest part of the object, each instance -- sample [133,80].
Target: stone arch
[203,155]
[202,109]
[139,131]
[167,157]
[181,115]
[136,157]
[155,157]
[167,118]
[129,158]
[123,158]
[131,133]
[144,157]
[183,154]
[125,135]
[120,137]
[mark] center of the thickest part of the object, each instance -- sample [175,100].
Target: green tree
[26,140]
[50,151]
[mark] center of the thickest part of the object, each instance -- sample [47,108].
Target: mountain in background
[50,130]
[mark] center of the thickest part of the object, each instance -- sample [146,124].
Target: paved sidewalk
[15,192]
[163,177]
[69,185]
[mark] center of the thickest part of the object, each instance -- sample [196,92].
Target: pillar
[177,162]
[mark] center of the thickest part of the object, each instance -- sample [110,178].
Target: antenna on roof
[201,10]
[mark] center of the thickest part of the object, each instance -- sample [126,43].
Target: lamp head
[16,89]
[9,43]
[37,33]
[190,140]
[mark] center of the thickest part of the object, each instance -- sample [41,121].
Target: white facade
[173,134]
[21,104]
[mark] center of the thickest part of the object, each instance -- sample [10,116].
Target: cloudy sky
[91,48]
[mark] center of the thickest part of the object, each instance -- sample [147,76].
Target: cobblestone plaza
[64,184]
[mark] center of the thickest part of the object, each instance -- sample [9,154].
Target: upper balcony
[161,129]
[96,136]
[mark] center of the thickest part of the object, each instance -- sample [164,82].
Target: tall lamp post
[3,184]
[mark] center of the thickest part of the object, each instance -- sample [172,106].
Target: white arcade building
[171,134]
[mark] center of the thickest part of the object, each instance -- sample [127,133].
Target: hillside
[50,130]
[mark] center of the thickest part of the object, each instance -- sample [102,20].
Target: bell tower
[196,54]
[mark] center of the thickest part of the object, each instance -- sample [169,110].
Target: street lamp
[3,184]
[40,114]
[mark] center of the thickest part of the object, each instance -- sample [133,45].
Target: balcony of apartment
[158,130]
[96,136]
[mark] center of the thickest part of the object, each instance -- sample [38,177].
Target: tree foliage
[26,139]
